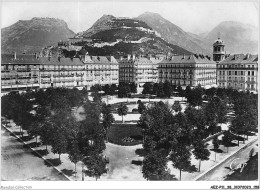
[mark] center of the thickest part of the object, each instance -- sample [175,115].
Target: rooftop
[61,61]
[241,58]
[20,59]
[99,59]
[195,58]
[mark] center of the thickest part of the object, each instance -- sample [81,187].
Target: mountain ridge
[32,35]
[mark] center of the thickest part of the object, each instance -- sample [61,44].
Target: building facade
[19,72]
[100,70]
[61,72]
[138,69]
[188,70]
[238,72]
[22,72]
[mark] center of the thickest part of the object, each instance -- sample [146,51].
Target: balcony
[79,75]
[23,77]
[79,80]
[45,76]
[23,70]
[5,70]
[251,82]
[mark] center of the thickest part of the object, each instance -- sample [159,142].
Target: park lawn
[117,132]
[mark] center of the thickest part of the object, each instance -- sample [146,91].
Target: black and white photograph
[149,94]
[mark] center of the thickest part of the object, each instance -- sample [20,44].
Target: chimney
[183,57]
[59,58]
[14,55]
[36,56]
[128,57]
[133,57]
[121,58]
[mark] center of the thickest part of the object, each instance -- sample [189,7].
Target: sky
[192,16]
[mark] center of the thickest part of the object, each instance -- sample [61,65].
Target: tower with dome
[218,50]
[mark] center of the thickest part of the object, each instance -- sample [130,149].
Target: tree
[245,115]
[34,130]
[213,128]
[46,133]
[147,88]
[108,118]
[62,121]
[133,87]
[122,110]
[59,142]
[196,119]
[167,89]
[96,96]
[181,92]
[74,153]
[113,89]
[74,97]
[187,92]
[241,124]
[158,133]
[106,88]
[84,94]
[176,106]
[160,91]
[141,107]
[96,165]
[123,90]
[194,98]
[143,123]
[211,92]
[154,166]
[200,151]
[215,143]
[23,116]
[227,139]
[216,110]
[180,157]
[90,135]
[155,89]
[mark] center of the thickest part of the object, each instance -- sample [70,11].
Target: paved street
[222,170]
[19,164]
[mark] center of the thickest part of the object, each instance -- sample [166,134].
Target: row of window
[235,66]
[237,73]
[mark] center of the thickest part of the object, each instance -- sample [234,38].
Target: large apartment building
[188,70]
[138,69]
[61,72]
[100,70]
[238,71]
[19,72]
